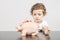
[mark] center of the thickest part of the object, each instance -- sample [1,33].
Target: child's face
[38,15]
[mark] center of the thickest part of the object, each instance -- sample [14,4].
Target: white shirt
[44,23]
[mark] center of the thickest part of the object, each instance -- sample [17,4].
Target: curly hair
[39,6]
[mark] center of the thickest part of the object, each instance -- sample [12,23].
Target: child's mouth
[37,19]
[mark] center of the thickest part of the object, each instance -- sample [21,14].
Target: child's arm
[46,30]
[19,26]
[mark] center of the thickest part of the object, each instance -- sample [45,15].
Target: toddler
[38,11]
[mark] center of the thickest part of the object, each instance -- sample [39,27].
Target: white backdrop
[13,11]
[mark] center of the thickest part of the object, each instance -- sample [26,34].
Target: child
[38,11]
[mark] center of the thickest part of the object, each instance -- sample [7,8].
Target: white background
[13,11]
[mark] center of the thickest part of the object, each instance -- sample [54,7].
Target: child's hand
[27,20]
[19,28]
[21,23]
[24,21]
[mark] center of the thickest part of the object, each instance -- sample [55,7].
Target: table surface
[14,35]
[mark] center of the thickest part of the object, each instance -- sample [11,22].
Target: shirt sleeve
[45,24]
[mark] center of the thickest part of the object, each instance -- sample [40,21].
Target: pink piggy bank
[29,28]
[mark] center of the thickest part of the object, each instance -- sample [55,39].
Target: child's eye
[34,14]
[39,14]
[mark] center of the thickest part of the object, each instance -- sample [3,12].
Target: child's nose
[37,16]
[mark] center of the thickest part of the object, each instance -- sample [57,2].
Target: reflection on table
[14,35]
[39,37]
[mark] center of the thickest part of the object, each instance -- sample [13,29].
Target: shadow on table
[34,38]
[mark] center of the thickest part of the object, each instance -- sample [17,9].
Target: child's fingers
[27,20]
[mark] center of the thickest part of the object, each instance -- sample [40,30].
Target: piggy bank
[29,28]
